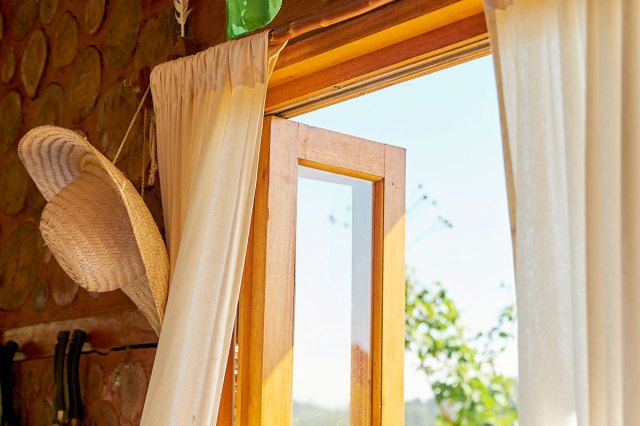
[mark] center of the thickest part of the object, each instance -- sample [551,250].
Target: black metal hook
[76,413]
[7,352]
[60,409]
[68,400]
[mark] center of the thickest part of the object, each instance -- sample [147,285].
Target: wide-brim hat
[95,223]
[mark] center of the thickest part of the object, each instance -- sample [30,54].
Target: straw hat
[95,223]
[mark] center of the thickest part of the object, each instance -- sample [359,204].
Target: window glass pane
[332,337]
[458,234]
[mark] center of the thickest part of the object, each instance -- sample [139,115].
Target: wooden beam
[386,26]
[306,24]
[445,46]
[321,149]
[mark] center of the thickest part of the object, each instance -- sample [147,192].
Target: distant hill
[417,413]
[310,415]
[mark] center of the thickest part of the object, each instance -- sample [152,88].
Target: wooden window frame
[265,327]
[400,41]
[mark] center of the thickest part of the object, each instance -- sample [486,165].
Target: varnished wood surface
[333,152]
[380,28]
[428,52]
[33,62]
[268,361]
[267,299]
[227,398]
[393,270]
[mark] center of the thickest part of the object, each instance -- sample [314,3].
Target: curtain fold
[209,111]
[567,73]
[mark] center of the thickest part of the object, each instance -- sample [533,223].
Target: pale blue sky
[449,123]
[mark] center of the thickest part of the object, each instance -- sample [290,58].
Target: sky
[322,332]
[449,124]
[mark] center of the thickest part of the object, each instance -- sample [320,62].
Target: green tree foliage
[460,368]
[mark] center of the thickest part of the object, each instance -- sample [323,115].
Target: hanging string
[124,139]
[151,125]
[144,144]
[152,151]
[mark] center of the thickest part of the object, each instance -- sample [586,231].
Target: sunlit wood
[324,150]
[225,412]
[266,339]
[388,26]
[307,24]
[393,269]
[267,300]
[389,40]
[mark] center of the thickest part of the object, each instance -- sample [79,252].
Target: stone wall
[77,64]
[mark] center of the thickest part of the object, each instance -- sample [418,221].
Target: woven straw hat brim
[95,223]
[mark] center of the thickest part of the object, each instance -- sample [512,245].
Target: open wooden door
[374,174]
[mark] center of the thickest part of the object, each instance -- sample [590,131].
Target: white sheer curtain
[209,111]
[568,73]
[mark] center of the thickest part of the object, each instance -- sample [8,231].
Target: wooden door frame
[265,328]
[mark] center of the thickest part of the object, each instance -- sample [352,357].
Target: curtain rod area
[310,23]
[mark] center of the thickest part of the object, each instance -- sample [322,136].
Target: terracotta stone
[48,10]
[8,67]
[63,289]
[156,40]
[49,107]
[41,413]
[33,61]
[24,16]
[95,381]
[86,78]
[116,108]
[10,119]
[14,182]
[35,201]
[136,165]
[122,32]
[40,296]
[65,41]
[102,413]
[129,382]
[94,15]
[154,203]
[20,258]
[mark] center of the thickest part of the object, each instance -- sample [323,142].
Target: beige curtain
[209,111]
[568,73]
